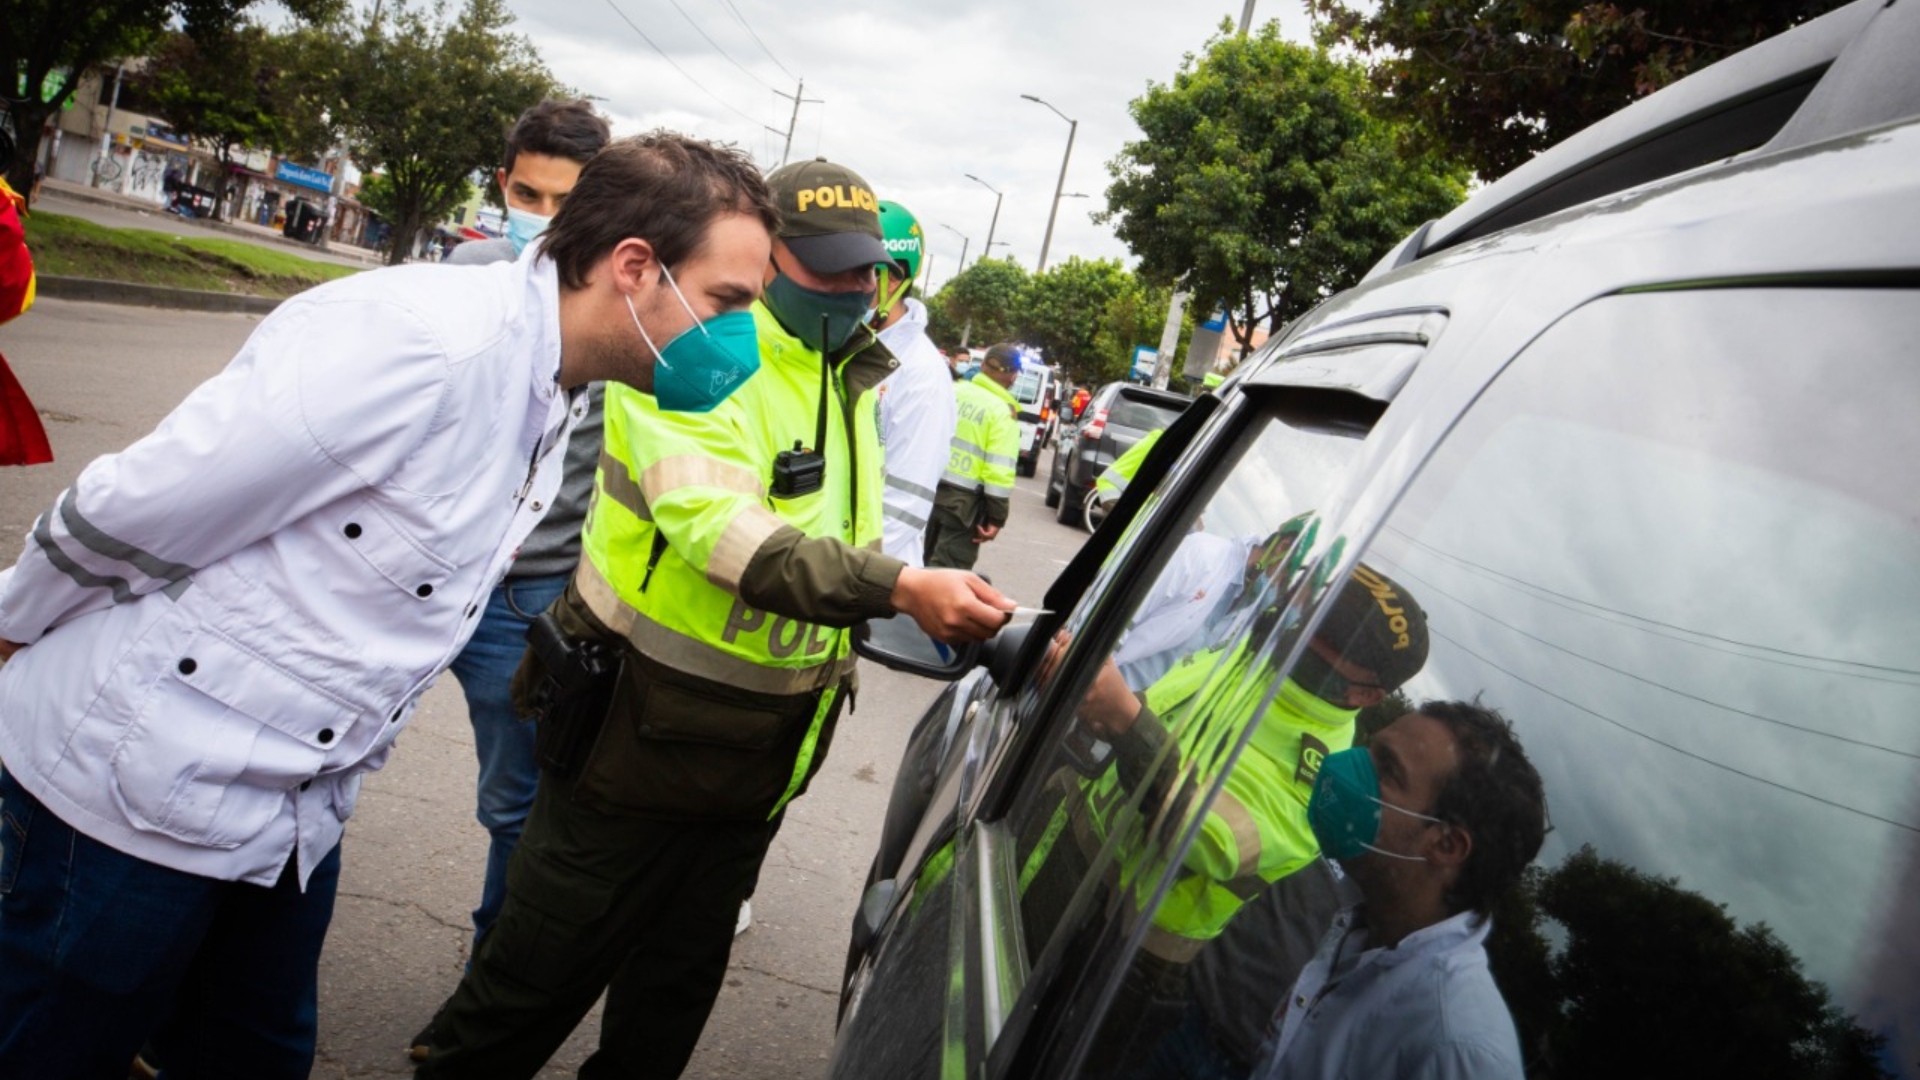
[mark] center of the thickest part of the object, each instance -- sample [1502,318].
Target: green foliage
[40,38]
[1701,994]
[1063,311]
[1267,181]
[986,295]
[424,100]
[1498,83]
[220,88]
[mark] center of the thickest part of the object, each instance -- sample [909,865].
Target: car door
[1676,543]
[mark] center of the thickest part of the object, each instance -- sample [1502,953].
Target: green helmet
[900,231]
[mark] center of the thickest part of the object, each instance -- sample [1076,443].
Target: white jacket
[229,621]
[1425,1009]
[917,416]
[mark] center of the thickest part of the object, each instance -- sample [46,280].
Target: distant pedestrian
[976,491]
[217,632]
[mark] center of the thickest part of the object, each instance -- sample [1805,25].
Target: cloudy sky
[915,95]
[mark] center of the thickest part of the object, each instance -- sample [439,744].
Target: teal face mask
[1344,812]
[799,309]
[704,363]
[522,227]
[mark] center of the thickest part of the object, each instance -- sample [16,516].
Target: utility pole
[1246,18]
[1073,128]
[106,129]
[998,195]
[961,266]
[797,97]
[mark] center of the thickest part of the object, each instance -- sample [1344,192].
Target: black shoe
[422,1044]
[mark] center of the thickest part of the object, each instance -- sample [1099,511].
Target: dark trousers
[950,541]
[640,908]
[101,953]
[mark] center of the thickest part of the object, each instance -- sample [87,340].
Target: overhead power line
[742,19]
[717,46]
[683,71]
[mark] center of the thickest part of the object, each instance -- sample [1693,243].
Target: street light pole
[961,266]
[997,196]
[1073,128]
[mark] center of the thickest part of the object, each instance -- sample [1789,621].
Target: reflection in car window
[1092,831]
[1692,588]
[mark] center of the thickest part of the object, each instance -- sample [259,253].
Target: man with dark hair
[728,554]
[546,150]
[975,493]
[218,631]
[1400,985]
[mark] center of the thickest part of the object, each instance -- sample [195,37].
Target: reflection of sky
[1695,609]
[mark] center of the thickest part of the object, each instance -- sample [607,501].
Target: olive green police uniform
[730,603]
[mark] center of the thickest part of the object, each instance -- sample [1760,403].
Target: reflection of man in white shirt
[1191,604]
[1400,986]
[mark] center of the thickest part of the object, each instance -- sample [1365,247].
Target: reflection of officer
[727,552]
[976,491]
[1255,832]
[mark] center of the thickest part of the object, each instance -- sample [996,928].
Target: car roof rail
[1732,106]
[1876,82]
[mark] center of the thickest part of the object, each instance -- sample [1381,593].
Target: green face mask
[1344,811]
[705,362]
[799,309]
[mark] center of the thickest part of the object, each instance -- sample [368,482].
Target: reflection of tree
[1656,981]
[1374,717]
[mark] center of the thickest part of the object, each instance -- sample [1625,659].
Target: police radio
[800,471]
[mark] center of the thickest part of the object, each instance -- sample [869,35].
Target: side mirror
[898,643]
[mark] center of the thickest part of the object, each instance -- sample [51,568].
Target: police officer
[971,503]
[727,555]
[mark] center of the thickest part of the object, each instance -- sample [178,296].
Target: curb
[96,291]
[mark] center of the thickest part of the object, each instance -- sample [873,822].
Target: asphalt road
[103,376]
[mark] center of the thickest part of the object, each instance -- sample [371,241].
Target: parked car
[1034,388]
[1117,416]
[1635,428]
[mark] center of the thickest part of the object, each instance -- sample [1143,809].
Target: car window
[1026,387]
[1677,545]
[1160,688]
[1145,416]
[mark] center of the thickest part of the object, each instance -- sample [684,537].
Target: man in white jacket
[217,631]
[917,408]
[1434,820]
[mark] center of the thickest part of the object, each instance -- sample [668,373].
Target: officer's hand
[1109,709]
[984,533]
[953,606]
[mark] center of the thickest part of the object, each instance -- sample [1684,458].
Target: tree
[1499,82]
[426,101]
[1064,309]
[47,45]
[1135,317]
[1267,180]
[984,300]
[220,89]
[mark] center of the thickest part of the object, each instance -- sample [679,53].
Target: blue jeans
[102,953]
[509,771]
[1189,1053]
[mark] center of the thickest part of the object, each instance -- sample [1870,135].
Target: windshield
[1146,416]
[1026,387]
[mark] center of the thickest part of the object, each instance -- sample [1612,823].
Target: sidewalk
[120,211]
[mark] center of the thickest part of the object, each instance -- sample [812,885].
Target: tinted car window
[1677,544]
[1127,412]
[1191,660]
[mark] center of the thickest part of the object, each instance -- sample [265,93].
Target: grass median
[75,247]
